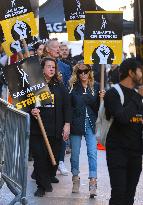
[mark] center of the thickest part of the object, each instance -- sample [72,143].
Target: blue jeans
[62,151]
[91,144]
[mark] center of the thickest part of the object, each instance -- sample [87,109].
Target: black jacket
[126,129]
[54,117]
[79,103]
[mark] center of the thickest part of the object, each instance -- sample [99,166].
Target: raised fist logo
[103,55]
[79,32]
[21,28]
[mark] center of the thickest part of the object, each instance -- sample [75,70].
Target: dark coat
[55,117]
[125,131]
[79,103]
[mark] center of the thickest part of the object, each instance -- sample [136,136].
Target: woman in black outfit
[56,119]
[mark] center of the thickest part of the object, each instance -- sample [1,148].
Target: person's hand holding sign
[103,53]
[35,112]
[16,46]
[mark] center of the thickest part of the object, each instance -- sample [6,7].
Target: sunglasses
[83,71]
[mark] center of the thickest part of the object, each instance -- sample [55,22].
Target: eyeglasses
[83,71]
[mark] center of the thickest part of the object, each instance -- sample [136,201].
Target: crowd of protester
[76,90]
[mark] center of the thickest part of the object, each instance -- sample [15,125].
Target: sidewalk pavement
[62,195]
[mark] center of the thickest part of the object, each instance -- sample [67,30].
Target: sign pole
[102,80]
[7,90]
[46,139]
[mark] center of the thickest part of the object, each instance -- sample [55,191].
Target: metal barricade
[14,148]
[2,133]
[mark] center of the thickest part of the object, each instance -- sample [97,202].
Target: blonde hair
[75,78]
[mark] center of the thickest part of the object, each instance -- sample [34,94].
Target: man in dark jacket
[124,139]
[52,49]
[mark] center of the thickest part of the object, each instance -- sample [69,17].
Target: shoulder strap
[119,90]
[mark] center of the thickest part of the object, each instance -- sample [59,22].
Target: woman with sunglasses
[85,104]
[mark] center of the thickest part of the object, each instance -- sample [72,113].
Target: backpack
[102,124]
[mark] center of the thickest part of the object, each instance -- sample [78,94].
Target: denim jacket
[65,70]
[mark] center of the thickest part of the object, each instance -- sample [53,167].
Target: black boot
[49,189]
[40,192]
[54,179]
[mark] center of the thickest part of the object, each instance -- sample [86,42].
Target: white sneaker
[63,170]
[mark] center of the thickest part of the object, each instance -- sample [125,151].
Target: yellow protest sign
[103,37]
[102,52]
[19,27]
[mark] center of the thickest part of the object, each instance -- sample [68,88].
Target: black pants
[124,170]
[43,167]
